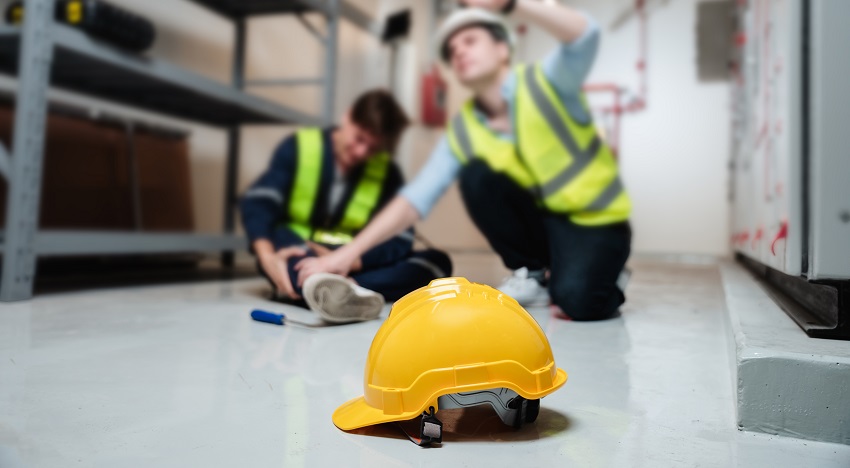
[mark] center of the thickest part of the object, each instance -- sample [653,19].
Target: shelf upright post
[331,46]
[24,181]
[234,139]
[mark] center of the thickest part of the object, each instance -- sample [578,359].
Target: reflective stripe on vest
[305,189]
[563,162]
[308,176]
[367,194]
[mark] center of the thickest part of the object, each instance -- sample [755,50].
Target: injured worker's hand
[276,266]
[322,251]
[335,262]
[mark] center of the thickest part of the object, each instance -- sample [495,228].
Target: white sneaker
[623,279]
[525,290]
[338,300]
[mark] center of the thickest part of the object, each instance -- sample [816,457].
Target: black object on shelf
[247,8]
[397,26]
[15,13]
[99,19]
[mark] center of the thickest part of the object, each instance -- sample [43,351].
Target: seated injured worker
[534,174]
[320,189]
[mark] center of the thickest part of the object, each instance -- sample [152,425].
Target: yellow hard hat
[457,339]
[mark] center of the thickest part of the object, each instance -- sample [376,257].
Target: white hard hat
[465,17]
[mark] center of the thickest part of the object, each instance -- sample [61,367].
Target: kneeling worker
[321,188]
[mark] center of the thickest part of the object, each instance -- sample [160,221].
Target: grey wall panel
[830,141]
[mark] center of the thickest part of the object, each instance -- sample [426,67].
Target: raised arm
[563,22]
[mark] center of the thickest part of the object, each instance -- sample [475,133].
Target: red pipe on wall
[640,101]
[615,109]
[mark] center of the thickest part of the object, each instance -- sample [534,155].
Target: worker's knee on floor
[580,301]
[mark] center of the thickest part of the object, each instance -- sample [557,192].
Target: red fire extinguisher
[434,90]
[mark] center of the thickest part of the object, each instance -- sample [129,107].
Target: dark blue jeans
[584,262]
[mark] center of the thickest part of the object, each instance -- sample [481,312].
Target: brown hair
[380,114]
[498,34]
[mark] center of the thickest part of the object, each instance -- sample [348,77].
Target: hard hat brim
[356,413]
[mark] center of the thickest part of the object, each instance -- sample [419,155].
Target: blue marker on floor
[276,318]
[268,317]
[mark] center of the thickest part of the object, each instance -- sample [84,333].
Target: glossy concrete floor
[178,376]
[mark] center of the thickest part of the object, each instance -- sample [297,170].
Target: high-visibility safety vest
[305,188]
[562,162]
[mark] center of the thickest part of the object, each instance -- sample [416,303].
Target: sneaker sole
[336,300]
[537,302]
[623,279]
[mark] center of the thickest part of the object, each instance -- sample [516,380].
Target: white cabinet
[791,136]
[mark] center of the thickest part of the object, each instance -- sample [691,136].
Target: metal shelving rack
[42,51]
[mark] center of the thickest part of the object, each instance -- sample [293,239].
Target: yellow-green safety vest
[305,188]
[564,163]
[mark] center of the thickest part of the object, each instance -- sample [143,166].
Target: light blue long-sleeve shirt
[566,68]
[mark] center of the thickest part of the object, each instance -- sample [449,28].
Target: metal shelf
[72,243]
[246,8]
[43,53]
[87,66]
[243,8]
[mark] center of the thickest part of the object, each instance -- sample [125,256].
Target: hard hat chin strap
[430,430]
